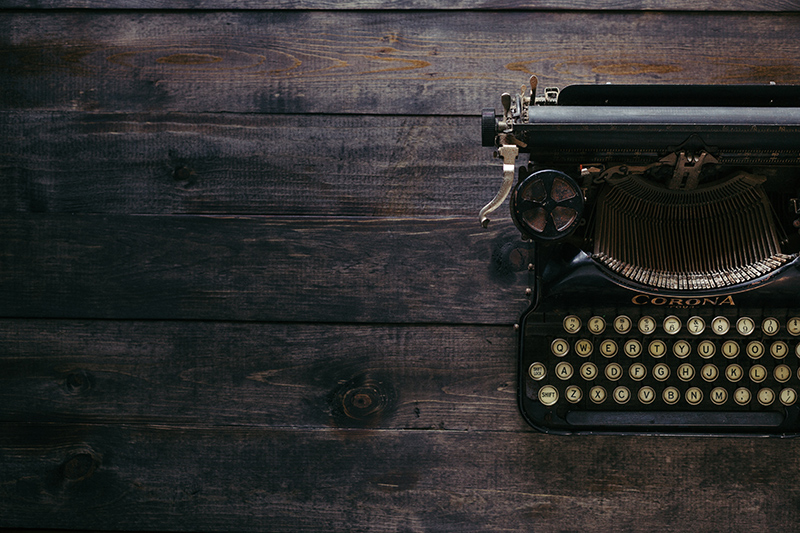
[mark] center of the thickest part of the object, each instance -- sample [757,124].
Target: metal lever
[509,153]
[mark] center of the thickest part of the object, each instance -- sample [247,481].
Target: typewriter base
[689,369]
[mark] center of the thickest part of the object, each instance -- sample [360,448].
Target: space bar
[666,418]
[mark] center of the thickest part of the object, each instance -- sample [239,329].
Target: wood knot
[361,402]
[78,382]
[80,466]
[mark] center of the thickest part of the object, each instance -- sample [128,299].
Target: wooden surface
[243,286]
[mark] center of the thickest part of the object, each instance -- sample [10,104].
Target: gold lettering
[637,297]
[728,300]
[676,301]
[709,301]
[658,301]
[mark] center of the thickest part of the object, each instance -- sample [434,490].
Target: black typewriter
[666,281]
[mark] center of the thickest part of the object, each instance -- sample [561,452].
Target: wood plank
[576,5]
[269,375]
[244,164]
[246,479]
[447,270]
[417,62]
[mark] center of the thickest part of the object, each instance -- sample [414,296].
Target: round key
[696,325]
[754,349]
[793,326]
[709,372]
[548,395]
[685,372]
[757,373]
[681,349]
[621,395]
[597,394]
[719,396]
[657,348]
[766,396]
[608,348]
[745,325]
[596,325]
[782,373]
[633,348]
[622,324]
[564,370]
[646,395]
[613,371]
[537,371]
[572,324]
[573,394]
[661,372]
[584,348]
[694,396]
[672,325]
[671,395]
[779,349]
[741,396]
[706,349]
[734,373]
[559,347]
[588,371]
[720,325]
[770,326]
[646,325]
[637,371]
[730,349]
[788,396]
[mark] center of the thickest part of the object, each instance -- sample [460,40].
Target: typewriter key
[706,349]
[766,396]
[758,373]
[745,325]
[646,395]
[596,325]
[548,395]
[573,394]
[770,326]
[637,371]
[671,395]
[672,325]
[681,349]
[734,373]
[730,349]
[720,325]
[779,349]
[793,326]
[564,370]
[537,371]
[633,348]
[741,396]
[782,373]
[694,396]
[572,324]
[788,396]
[622,324]
[719,396]
[696,325]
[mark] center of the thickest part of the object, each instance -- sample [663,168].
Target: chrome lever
[509,153]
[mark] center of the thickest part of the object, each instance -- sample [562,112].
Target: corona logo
[645,299]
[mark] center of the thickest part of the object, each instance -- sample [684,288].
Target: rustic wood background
[243,286]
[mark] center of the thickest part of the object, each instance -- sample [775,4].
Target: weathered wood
[414,62]
[577,5]
[245,164]
[447,270]
[269,375]
[248,479]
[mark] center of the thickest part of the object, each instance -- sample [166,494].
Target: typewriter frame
[697,126]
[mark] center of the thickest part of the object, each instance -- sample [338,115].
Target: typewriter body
[666,279]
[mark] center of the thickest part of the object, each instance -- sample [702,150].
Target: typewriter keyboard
[672,362]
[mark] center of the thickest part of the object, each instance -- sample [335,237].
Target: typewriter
[665,280]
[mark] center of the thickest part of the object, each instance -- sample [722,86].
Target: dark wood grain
[418,62]
[252,479]
[268,375]
[447,270]
[576,5]
[245,164]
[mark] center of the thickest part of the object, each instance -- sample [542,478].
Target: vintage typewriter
[665,285]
